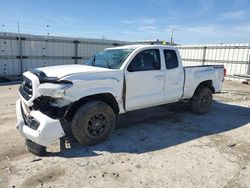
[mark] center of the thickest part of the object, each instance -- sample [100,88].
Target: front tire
[93,122]
[202,100]
[35,148]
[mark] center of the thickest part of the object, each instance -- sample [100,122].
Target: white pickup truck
[85,99]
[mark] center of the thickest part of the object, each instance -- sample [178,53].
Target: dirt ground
[165,146]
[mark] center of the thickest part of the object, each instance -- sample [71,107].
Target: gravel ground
[165,146]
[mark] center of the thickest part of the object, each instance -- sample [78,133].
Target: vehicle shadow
[160,127]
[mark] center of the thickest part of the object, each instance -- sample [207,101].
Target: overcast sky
[194,21]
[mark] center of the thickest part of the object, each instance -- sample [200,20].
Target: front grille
[26,88]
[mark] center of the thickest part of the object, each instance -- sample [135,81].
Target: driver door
[144,80]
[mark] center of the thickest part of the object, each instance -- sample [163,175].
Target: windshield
[111,58]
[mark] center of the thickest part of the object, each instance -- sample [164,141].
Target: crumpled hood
[65,70]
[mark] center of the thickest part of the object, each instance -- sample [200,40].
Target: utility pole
[248,66]
[20,48]
[47,26]
[18,28]
[172,37]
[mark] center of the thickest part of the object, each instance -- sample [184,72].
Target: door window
[171,59]
[146,60]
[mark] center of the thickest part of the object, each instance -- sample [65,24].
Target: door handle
[159,76]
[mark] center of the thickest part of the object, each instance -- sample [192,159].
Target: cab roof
[137,46]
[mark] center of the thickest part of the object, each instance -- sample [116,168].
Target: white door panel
[174,84]
[144,88]
[174,76]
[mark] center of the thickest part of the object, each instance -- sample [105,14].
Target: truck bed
[197,74]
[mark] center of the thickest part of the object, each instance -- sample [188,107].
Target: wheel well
[105,97]
[207,84]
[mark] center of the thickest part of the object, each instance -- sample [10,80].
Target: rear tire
[202,100]
[93,122]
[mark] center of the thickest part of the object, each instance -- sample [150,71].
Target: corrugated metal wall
[29,51]
[235,57]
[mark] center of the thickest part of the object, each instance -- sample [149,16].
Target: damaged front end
[50,106]
[41,109]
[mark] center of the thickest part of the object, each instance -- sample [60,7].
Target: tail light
[225,72]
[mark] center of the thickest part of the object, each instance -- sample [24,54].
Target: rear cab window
[171,59]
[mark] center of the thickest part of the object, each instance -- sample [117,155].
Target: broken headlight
[55,90]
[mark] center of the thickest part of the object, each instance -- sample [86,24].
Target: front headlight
[56,90]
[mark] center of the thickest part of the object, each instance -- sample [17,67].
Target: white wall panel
[235,57]
[41,51]
[9,67]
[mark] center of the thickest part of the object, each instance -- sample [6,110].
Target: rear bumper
[46,131]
